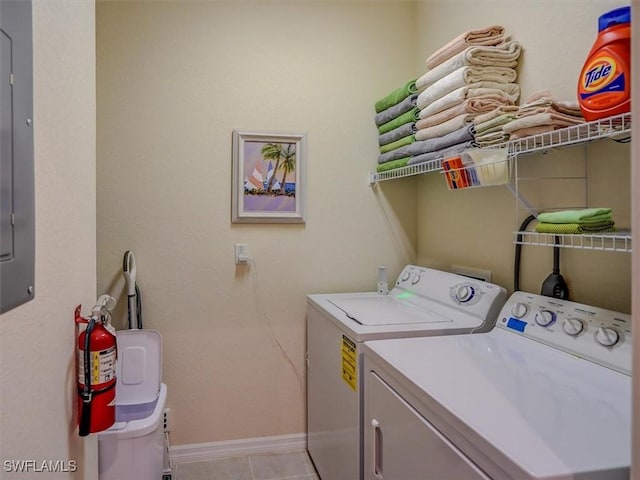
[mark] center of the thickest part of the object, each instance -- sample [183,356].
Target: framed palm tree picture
[268,177]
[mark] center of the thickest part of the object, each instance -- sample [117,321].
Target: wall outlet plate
[241,253]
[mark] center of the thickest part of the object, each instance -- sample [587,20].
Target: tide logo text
[598,74]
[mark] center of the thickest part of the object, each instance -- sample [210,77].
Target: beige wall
[37,354]
[174,80]
[474,227]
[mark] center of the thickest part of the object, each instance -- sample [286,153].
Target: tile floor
[272,466]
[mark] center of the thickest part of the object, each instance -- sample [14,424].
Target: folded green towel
[408,140]
[401,162]
[396,96]
[587,215]
[408,117]
[575,228]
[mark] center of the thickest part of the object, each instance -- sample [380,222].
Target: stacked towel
[436,148]
[396,110]
[396,117]
[396,96]
[541,113]
[505,55]
[407,117]
[444,128]
[489,125]
[463,136]
[506,94]
[401,162]
[588,220]
[492,35]
[471,75]
[465,76]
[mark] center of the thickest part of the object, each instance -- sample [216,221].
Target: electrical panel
[17,223]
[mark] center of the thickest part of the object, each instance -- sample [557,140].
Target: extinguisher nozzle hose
[85,417]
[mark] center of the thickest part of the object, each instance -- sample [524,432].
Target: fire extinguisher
[97,354]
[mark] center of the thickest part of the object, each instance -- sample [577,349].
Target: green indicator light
[404,295]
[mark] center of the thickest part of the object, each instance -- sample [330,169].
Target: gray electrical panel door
[17,225]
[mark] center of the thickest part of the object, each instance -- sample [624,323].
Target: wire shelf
[618,125]
[576,134]
[408,171]
[607,242]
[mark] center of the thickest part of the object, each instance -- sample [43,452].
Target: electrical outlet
[242,253]
[167,420]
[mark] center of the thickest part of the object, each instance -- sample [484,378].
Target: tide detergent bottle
[604,88]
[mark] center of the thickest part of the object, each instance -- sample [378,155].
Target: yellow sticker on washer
[349,362]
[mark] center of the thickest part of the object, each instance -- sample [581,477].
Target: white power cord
[267,321]
[167,470]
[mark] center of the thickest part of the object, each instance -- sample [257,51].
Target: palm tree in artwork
[288,163]
[272,151]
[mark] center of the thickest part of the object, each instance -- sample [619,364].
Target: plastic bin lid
[139,366]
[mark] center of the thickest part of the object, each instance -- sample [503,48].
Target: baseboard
[199,452]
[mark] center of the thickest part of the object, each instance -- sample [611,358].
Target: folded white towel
[505,55]
[533,131]
[556,120]
[506,92]
[493,138]
[543,98]
[475,105]
[491,35]
[464,76]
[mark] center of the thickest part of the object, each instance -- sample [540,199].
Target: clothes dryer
[545,395]
[424,302]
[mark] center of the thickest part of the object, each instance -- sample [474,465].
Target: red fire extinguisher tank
[97,404]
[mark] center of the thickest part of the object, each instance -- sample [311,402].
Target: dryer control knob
[520,310]
[573,326]
[607,336]
[405,276]
[464,293]
[416,278]
[545,318]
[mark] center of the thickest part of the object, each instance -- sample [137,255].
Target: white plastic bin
[133,448]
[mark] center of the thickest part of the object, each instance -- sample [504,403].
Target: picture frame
[268,177]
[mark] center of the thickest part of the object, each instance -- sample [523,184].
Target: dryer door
[400,443]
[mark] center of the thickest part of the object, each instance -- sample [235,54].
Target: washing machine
[423,302]
[545,395]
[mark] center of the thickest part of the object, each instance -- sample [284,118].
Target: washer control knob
[519,310]
[464,293]
[545,318]
[405,276]
[416,278]
[573,326]
[607,336]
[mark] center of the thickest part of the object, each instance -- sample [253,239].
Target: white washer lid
[387,310]
[139,366]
